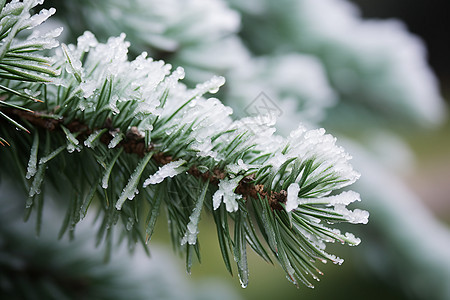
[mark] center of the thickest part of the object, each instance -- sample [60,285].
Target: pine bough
[110,130]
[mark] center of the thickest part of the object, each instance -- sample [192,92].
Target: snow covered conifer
[128,139]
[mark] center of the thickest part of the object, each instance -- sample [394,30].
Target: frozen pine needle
[136,133]
[170,170]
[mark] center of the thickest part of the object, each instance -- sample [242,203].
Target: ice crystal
[93,137]
[170,170]
[32,163]
[345,198]
[191,233]
[292,196]
[41,17]
[131,189]
[356,216]
[117,138]
[211,86]
[238,168]
[226,194]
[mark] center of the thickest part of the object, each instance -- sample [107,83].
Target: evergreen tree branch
[134,143]
[111,130]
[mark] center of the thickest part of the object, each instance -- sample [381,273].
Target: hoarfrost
[41,17]
[89,142]
[211,86]
[105,182]
[130,189]
[71,147]
[356,216]
[351,239]
[35,187]
[226,194]
[292,196]
[88,87]
[328,160]
[191,233]
[113,104]
[344,198]
[86,41]
[237,168]
[277,160]
[116,140]
[204,149]
[72,142]
[170,170]
[32,163]
[74,65]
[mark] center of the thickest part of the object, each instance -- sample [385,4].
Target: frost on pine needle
[37,19]
[86,41]
[344,198]
[211,86]
[38,40]
[109,74]
[35,187]
[240,167]
[16,22]
[131,190]
[225,194]
[191,233]
[74,64]
[292,196]
[136,116]
[329,162]
[170,170]
[72,142]
[92,139]
[32,163]
[117,138]
[356,216]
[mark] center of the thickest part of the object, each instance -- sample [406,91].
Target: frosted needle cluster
[142,135]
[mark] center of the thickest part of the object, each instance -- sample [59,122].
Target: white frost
[211,86]
[356,216]
[344,198]
[292,196]
[169,170]
[74,65]
[130,189]
[32,163]
[226,194]
[88,87]
[41,17]
[115,141]
[351,239]
[190,236]
[86,41]
[236,168]
[89,142]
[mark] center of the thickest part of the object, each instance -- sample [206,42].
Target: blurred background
[381,86]
[432,148]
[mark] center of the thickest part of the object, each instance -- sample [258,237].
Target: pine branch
[20,59]
[107,123]
[134,143]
